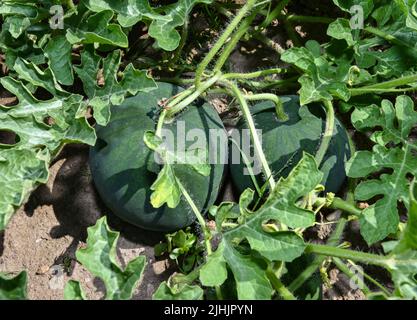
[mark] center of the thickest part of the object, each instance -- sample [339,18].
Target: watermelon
[124,169]
[285,141]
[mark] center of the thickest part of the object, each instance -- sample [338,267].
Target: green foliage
[249,269]
[99,257]
[183,247]
[13,288]
[382,218]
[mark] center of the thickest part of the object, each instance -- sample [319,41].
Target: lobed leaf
[99,257]
[393,150]
[249,269]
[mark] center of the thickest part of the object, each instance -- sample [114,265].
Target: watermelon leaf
[119,283]
[113,91]
[382,218]
[166,291]
[162,26]
[249,269]
[13,288]
[74,291]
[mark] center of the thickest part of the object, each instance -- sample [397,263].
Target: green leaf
[129,12]
[13,288]
[16,25]
[21,171]
[412,16]
[321,79]
[98,29]
[58,50]
[37,77]
[249,269]
[346,5]
[99,257]
[381,218]
[409,236]
[196,158]
[113,91]
[164,30]
[41,128]
[282,202]
[182,292]
[27,119]
[74,291]
[403,267]
[162,26]
[166,189]
[340,29]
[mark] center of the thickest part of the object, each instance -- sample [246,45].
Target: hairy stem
[274,14]
[184,37]
[203,225]
[281,289]
[222,40]
[172,110]
[253,75]
[243,28]
[386,36]
[339,204]
[347,271]
[255,137]
[330,251]
[282,116]
[308,272]
[328,133]
[160,124]
[199,216]
[308,19]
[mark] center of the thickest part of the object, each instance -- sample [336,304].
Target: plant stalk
[255,138]
[222,40]
[328,133]
[330,251]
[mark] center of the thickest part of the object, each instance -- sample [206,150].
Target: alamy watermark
[57,17]
[358,18]
[198,146]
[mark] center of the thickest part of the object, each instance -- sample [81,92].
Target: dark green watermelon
[285,142]
[124,169]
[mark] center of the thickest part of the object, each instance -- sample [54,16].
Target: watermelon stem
[185,101]
[221,41]
[364,257]
[309,270]
[206,230]
[281,289]
[338,204]
[328,133]
[279,107]
[240,32]
[252,75]
[255,138]
[199,216]
[387,86]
